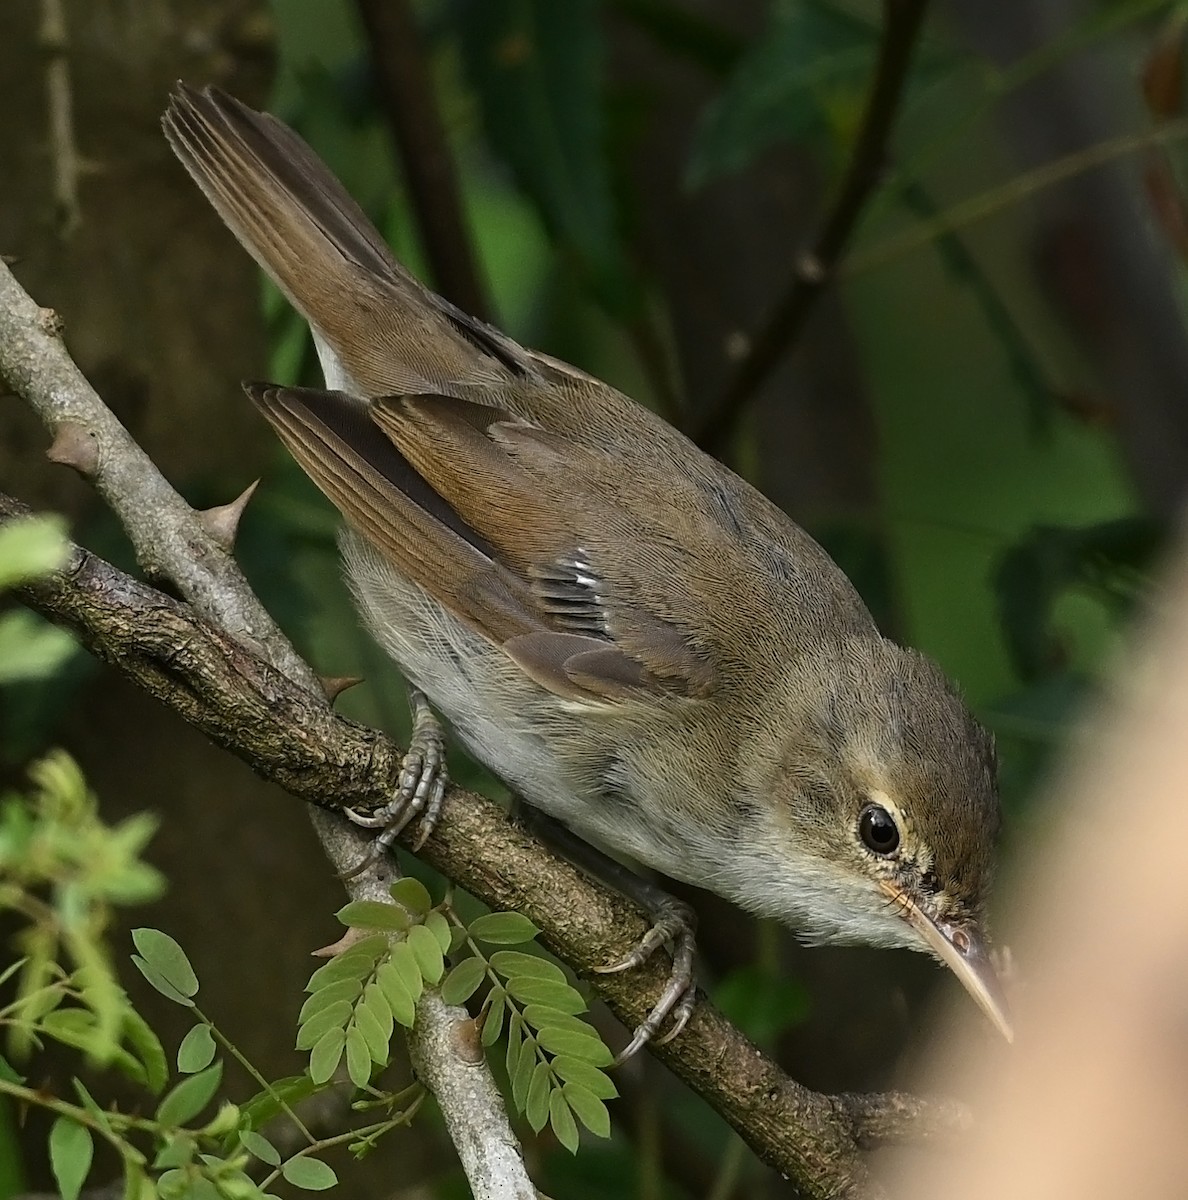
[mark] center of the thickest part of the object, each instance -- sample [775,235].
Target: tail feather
[386,330]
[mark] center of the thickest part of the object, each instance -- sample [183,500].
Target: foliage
[553,1059]
[29,648]
[62,872]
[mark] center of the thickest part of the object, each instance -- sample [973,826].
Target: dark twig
[398,58]
[815,268]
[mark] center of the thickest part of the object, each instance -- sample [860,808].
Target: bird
[639,643]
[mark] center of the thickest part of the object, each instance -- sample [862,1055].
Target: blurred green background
[983,418]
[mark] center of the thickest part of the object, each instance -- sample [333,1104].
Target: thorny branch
[193,550]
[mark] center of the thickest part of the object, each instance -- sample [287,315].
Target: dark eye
[877,830]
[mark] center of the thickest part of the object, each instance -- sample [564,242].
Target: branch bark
[815,268]
[244,692]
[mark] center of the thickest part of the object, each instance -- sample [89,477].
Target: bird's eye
[878,830]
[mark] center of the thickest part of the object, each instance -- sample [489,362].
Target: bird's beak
[963,949]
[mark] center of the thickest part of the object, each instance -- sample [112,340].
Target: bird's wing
[502,524]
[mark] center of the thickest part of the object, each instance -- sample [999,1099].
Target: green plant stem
[64,1108]
[1002,84]
[986,204]
[233,1050]
[339,1139]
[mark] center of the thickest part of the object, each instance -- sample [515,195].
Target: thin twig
[815,269]
[406,91]
[60,112]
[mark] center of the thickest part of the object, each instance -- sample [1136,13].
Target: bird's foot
[675,923]
[420,791]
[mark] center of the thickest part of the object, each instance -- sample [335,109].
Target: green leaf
[515,1042]
[589,1077]
[537,1107]
[437,925]
[541,1017]
[77,1027]
[31,547]
[427,952]
[588,1046]
[412,894]
[562,1121]
[190,1097]
[374,914]
[493,1017]
[358,1057]
[196,1051]
[515,962]
[396,994]
[178,1151]
[589,1109]
[309,1174]
[174,1185]
[332,993]
[372,1029]
[526,1064]
[787,86]
[71,1150]
[544,991]
[335,1016]
[257,1144]
[269,1103]
[326,1055]
[463,981]
[160,982]
[9,1074]
[405,964]
[356,963]
[202,1188]
[503,929]
[142,1038]
[1113,561]
[31,648]
[137,1185]
[167,958]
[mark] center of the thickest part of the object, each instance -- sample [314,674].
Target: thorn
[335,685]
[345,942]
[75,446]
[222,521]
[50,321]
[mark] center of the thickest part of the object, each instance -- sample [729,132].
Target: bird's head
[885,808]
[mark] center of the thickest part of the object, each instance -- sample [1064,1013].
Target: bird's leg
[673,922]
[422,786]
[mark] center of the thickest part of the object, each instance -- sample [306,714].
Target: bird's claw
[674,922]
[419,792]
